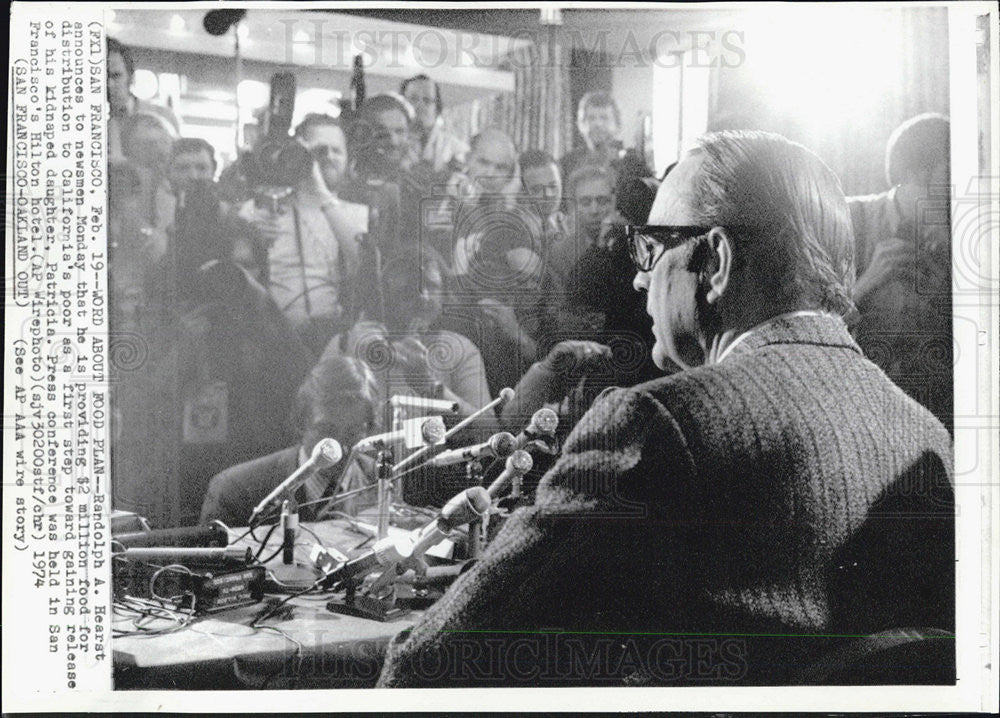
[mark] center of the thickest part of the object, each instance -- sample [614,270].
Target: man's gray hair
[787,214]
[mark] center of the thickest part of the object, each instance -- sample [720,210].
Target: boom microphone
[325,454]
[518,464]
[500,445]
[461,509]
[218,22]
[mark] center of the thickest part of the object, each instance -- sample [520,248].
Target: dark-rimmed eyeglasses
[648,242]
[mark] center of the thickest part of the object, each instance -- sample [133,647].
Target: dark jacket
[722,525]
[233,493]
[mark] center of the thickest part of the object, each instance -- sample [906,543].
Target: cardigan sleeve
[614,477]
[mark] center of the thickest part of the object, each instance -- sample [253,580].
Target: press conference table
[319,648]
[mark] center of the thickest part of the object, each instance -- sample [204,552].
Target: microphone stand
[474,477]
[384,474]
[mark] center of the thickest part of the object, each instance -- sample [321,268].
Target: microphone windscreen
[327,453]
[502,444]
[479,499]
[433,430]
[545,421]
[506,393]
[520,461]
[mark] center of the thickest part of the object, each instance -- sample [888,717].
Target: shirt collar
[768,322]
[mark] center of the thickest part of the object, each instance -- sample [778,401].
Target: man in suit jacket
[732,522]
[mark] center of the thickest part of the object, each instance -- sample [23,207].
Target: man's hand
[576,356]
[315,186]
[411,358]
[547,382]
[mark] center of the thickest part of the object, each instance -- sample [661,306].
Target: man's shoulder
[278,461]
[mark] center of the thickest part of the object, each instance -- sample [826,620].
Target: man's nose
[641,281]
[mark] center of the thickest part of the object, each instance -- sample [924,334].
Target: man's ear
[721,265]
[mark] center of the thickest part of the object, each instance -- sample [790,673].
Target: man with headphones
[438,146]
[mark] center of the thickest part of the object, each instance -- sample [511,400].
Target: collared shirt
[304,263]
[753,330]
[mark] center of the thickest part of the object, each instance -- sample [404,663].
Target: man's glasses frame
[648,242]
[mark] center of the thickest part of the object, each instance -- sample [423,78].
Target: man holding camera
[312,241]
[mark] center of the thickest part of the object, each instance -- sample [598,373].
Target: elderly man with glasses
[736,521]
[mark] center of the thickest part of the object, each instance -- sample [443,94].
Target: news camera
[277,163]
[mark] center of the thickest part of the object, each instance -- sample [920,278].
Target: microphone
[214,534]
[506,394]
[188,556]
[461,509]
[421,431]
[325,454]
[543,424]
[419,403]
[500,445]
[518,464]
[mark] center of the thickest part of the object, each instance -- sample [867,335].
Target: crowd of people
[449,268]
[407,260]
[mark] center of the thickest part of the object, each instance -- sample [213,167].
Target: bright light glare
[177,25]
[144,84]
[823,66]
[252,94]
[316,100]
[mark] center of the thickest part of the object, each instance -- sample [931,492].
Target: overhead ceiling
[324,43]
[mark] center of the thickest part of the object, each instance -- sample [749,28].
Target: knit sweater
[720,525]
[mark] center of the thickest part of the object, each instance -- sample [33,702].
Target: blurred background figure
[312,242]
[403,343]
[542,181]
[436,145]
[207,227]
[903,250]
[599,121]
[337,400]
[123,104]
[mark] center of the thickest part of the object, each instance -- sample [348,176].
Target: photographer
[312,241]
[903,249]
[437,145]
[218,233]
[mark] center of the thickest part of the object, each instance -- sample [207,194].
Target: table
[309,648]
